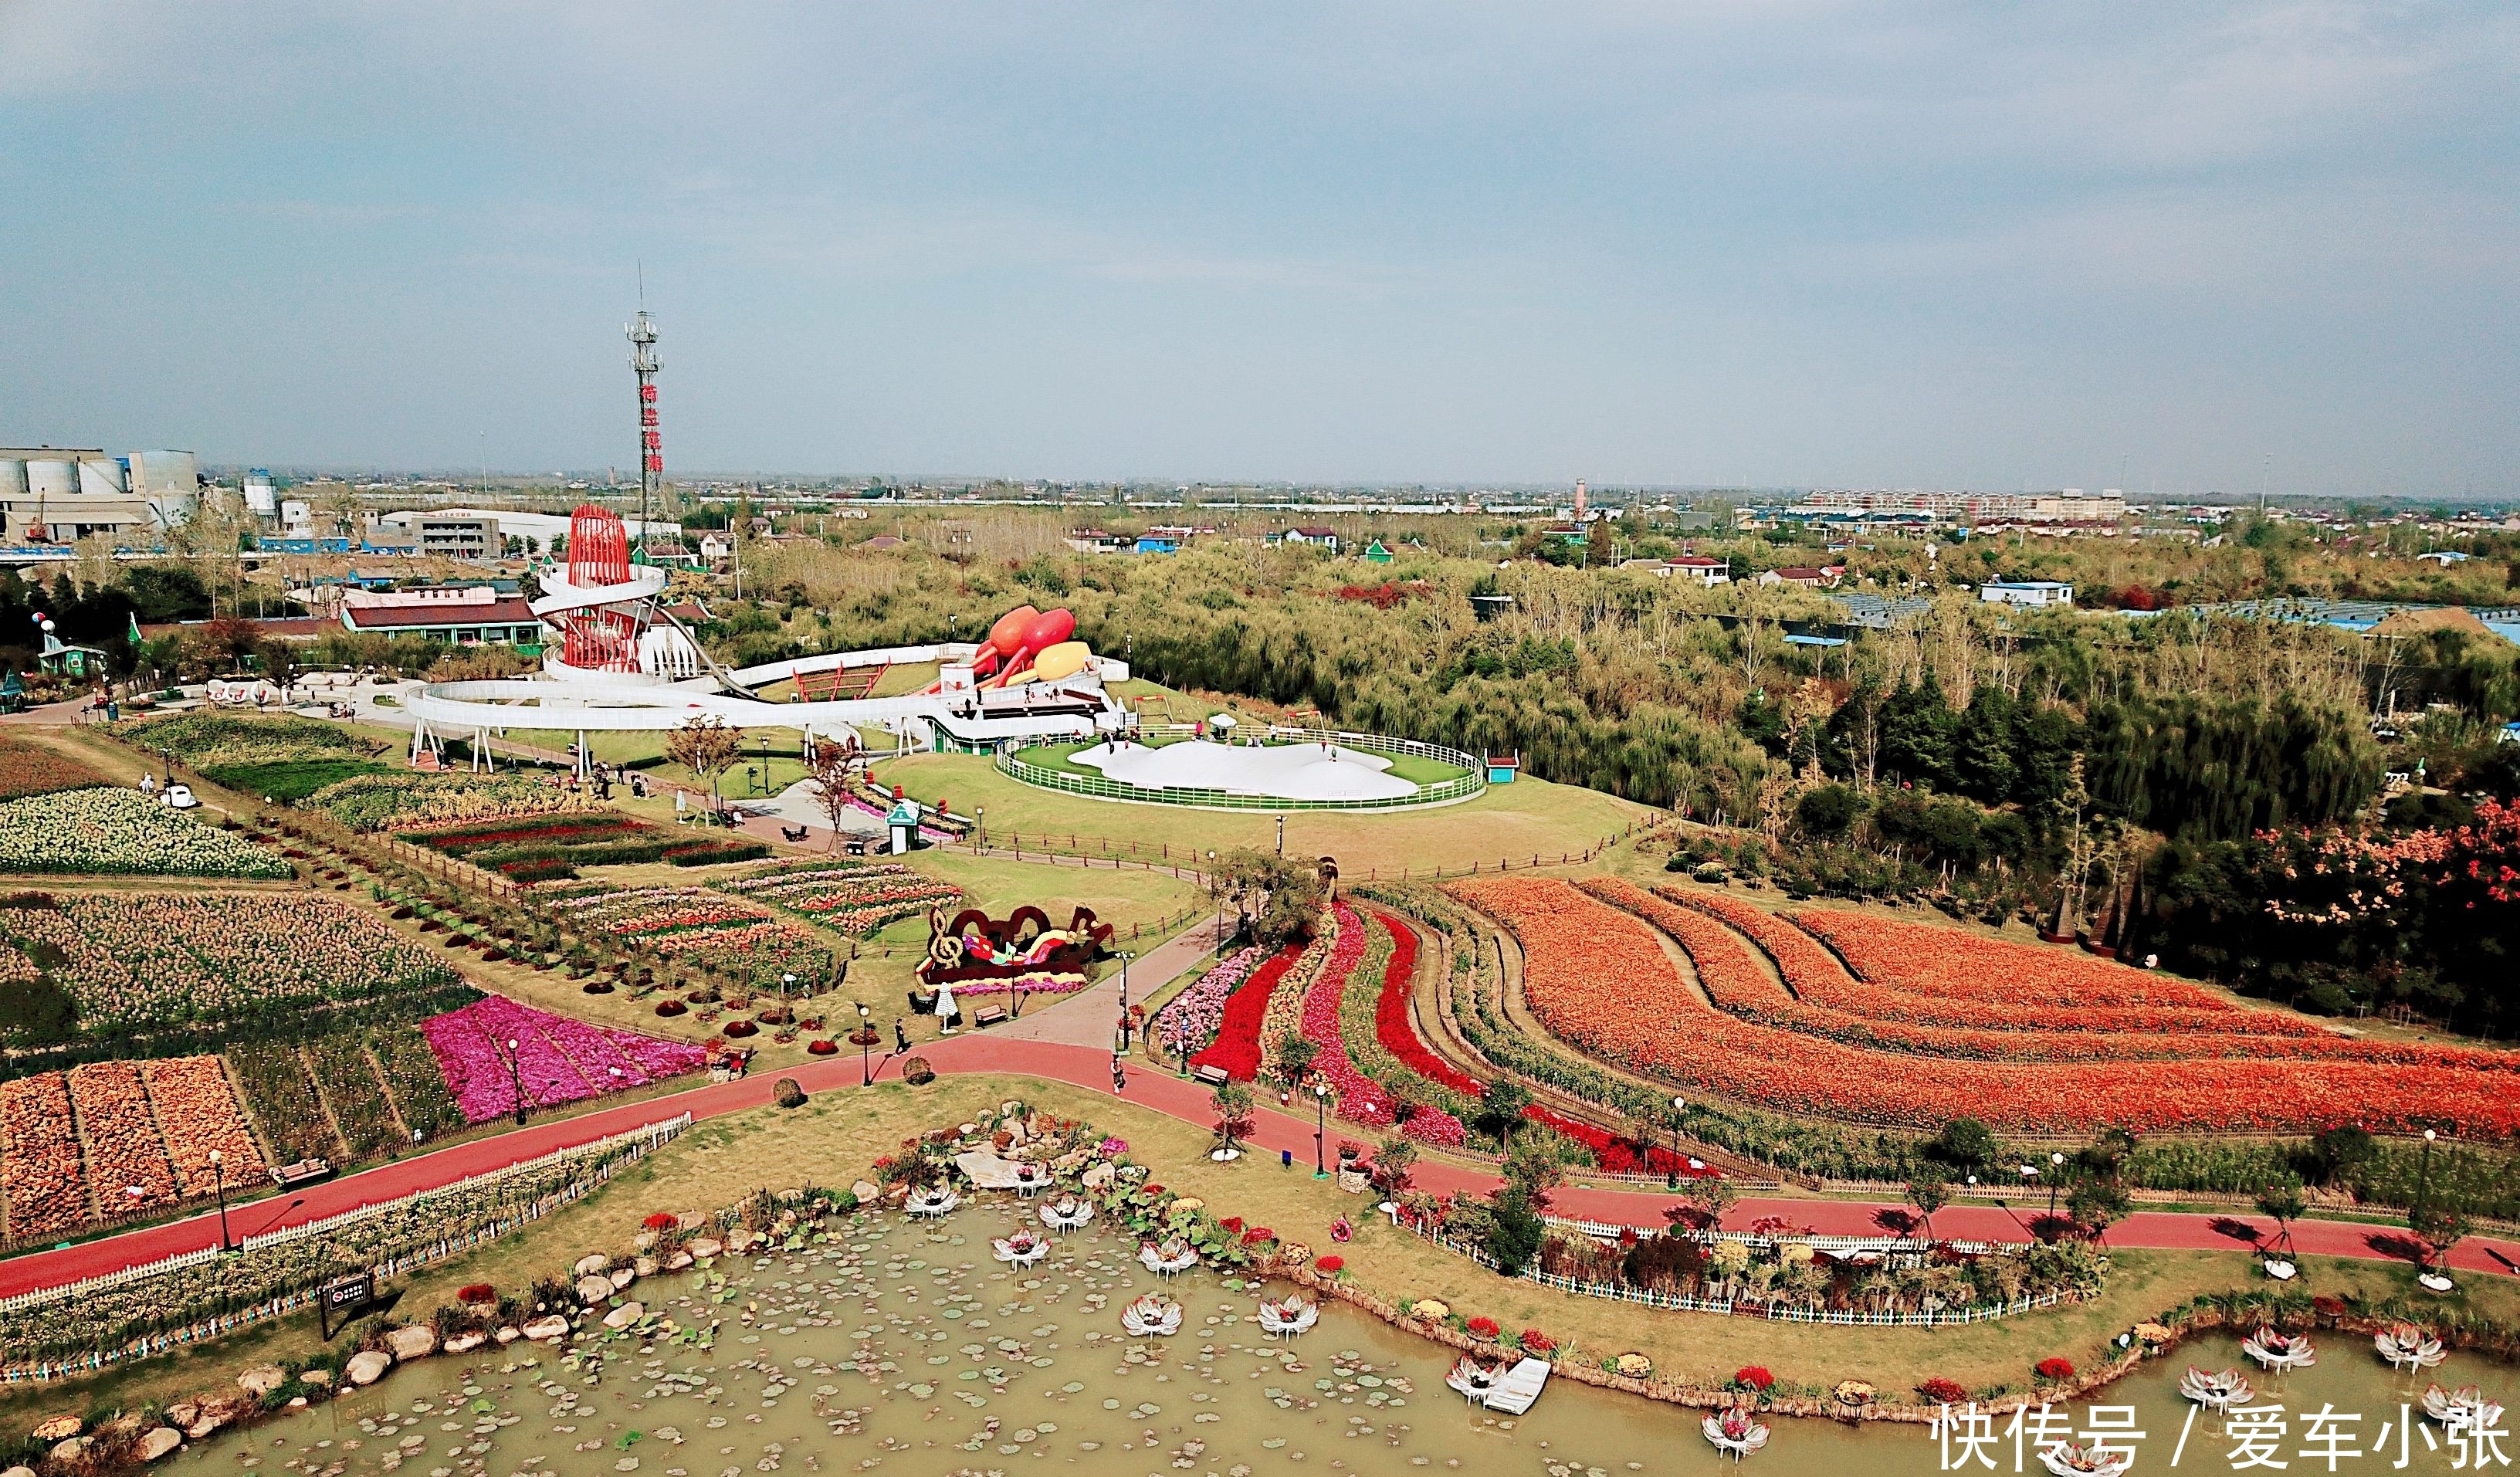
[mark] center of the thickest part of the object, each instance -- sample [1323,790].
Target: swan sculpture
[2280,1352]
[1151,1317]
[2408,1347]
[2219,1391]
[1734,1432]
[1021,1250]
[1067,1213]
[1288,1319]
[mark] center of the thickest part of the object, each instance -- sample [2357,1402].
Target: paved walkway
[1276,1133]
[1091,1017]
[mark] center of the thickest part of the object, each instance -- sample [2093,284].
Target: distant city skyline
[2178,249]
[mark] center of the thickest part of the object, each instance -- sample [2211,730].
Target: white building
[2031,593]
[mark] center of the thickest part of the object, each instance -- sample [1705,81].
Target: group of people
[600,779]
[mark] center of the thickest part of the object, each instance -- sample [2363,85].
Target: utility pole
[644,362]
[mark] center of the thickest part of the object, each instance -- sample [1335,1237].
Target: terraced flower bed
[699,925]
[372,803]
[1597,978]
[34,769]
[552,847]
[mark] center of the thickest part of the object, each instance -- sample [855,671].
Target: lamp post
[788,987]
[866,1047]
[1282,836]
[2055,1180]
[517,1079]
[2424,1173]
[980,825]
[1320,1128]
[1679,1105]
[220,1170]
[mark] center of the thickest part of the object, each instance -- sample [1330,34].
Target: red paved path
[1166,1094]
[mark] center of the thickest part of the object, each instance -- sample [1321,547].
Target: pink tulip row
[1189,1019]
[554,1060]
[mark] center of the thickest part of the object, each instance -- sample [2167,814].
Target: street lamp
[517,1079]
[1320,1128]
[1282,836]
[219,1169]
[2057,1163]
[2424,1175]
[866,1047]
[788,987]
[1679,1105]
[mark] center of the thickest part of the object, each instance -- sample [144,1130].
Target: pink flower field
[557,1060]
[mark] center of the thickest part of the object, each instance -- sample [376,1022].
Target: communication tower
[642,334]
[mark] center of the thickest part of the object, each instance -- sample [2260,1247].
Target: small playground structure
[624,665]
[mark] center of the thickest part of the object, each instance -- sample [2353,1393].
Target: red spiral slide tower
[601,638]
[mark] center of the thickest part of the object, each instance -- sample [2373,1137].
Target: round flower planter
[822,1047]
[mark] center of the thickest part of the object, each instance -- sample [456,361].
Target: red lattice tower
[600,638]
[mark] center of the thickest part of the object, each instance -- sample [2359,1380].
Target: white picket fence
[618,1151]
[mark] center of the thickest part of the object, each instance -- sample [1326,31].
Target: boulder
[594,1265]
[741,1240]
[19,1472]
[623,1277]
[321,1379]
[594,1289]
[625,1316]
[368,1366]
[71,1450]
[183,1412]
[509,1334]
[159,1443]
[546,1328]
[706,1247]
[466,1343]
[418,1341]
[644,1267]
[63,1427]
[1099,1175]
[678,1262]
[866,1191]
[261,1380]
[201,1430]
[645,1240]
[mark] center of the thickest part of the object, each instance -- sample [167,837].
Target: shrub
[1935,1390]
[788,1094]
[1535,1342]
[1754,1377]
[476,1292]
[663,1220]
[2055,1368]
[1483,1327]
[1330,1266]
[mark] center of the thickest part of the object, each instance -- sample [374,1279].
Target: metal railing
[1469,783]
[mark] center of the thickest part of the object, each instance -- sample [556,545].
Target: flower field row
[1817,976]
[282,1096]
[1188,1020]
[1597,978]
[490,1050]
[1236,1046]
[1751,993]
[370,803]
[857,900]
[1359,1099]
[1930,960]
[1037,982]
[1283,1019]
[198,1111]
[32,769]
[205,739]
[150,1129]
[131,959]
[653,912]
[107,832]
[126,1159]
[1393,1030]
[1342,1012]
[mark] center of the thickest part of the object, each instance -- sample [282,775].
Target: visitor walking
[1119,1075]
[900,1037]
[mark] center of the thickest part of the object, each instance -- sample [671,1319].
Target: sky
[2171,247]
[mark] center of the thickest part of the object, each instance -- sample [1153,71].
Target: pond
[906,1346]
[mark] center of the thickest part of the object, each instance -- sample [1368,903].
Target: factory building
[61,494]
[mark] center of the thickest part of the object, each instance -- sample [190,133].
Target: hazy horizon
[2178,249]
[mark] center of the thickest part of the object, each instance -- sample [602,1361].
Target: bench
[792,834]
[303,1171]
[988,1015]
[1211,1074]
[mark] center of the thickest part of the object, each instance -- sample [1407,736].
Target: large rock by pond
[542,1329]
[261,1380]
[417,1341]
[368,1366]
[594,1289]
[159,1443]
[625,1316]
[594,1264]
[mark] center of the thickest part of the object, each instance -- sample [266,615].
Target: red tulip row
[1599,978]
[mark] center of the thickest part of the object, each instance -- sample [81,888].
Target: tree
[1295,1059]
[2443,1222]
[1514,1231]
[1500,1108]
[2280,1200]
[705,747]
[1278,899]
[2095,1205]
[2338,1154]
[1965,1144]
[1706,1199]
[1393,1158]
[1233,1104]
[1929,1192]
[833,765]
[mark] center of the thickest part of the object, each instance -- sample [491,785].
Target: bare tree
[833,767]
[707,748]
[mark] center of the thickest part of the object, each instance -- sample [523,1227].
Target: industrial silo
[171,481]
[13,477]
[262,496]
[52,477]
